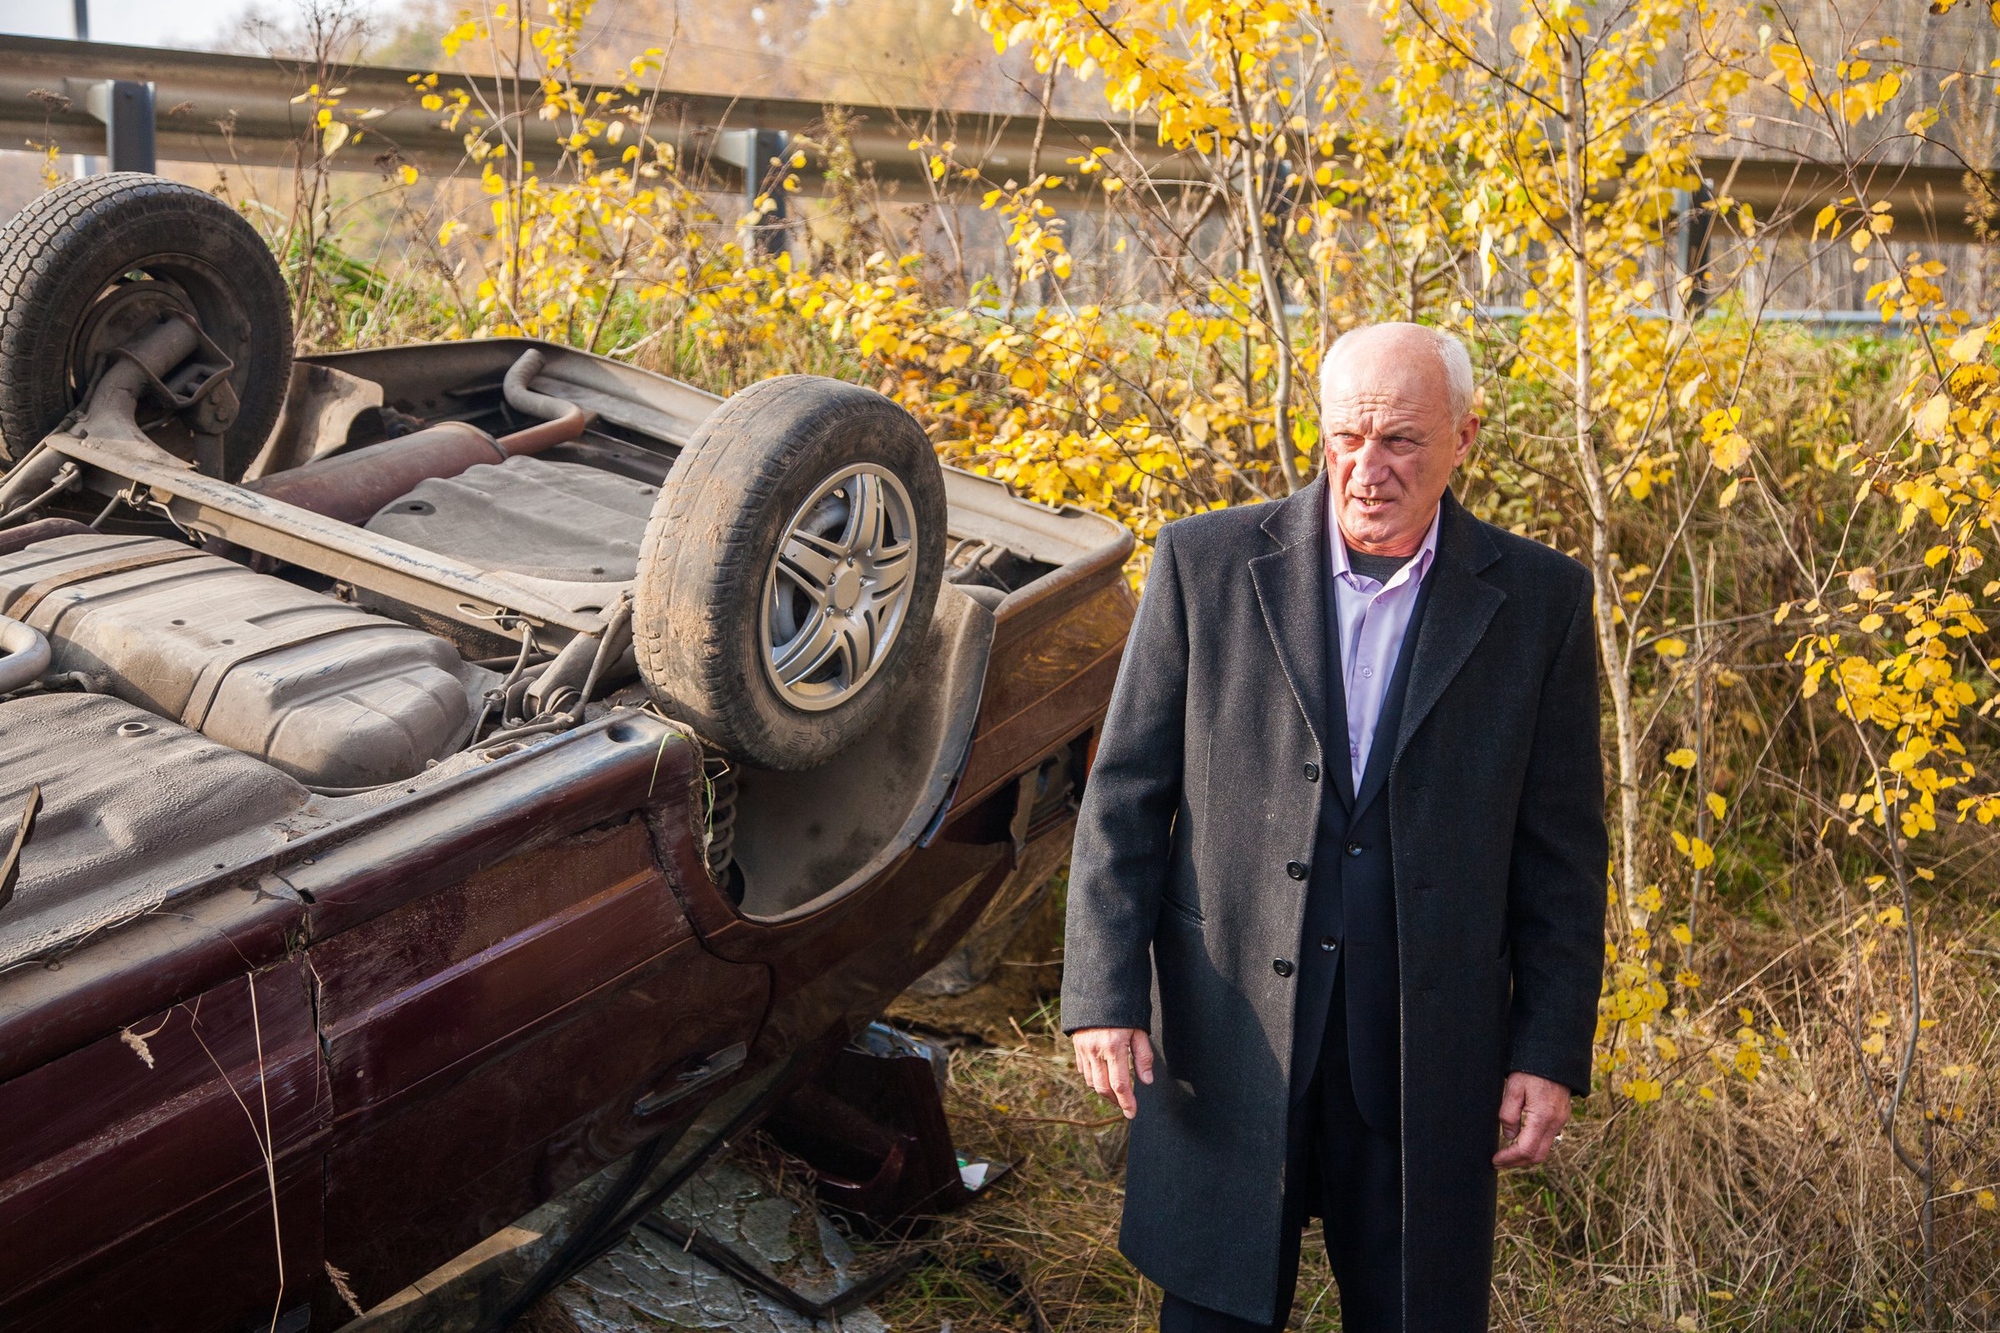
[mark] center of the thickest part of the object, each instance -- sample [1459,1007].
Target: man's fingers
[1538,1135]
[1532,1115]
[1520,1150]
[1142,1056]
[1087,1063]
[1100,1073]
[1513,1099]
[1121,1079]
[1106,1056]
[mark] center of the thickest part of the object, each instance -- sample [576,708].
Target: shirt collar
[1413,571]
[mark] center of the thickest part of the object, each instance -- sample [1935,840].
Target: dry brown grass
[1775,1206]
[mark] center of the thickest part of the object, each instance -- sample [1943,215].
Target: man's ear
[1468,432]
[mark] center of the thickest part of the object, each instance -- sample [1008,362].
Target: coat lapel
[1461,606]
[1291,593]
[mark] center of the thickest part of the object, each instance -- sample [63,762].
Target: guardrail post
[1694,223]
[761,155]
[767,169]
[125,106]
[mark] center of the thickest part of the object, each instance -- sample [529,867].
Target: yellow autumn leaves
[333,128]
[1857,91]
[1727,447]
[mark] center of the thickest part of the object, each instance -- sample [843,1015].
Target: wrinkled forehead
[1407,404]
[1393,376]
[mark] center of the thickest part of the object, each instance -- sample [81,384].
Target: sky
[188,23]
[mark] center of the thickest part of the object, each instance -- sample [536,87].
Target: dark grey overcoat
[1179,901]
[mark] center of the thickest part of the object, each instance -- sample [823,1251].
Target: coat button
[1312,772]
[1354,849]
[1282,966]
[1328,943]
[1296,869]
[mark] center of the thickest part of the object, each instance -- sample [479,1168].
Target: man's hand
[1106,1057]
[1532,1113]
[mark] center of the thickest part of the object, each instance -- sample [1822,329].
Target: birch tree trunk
[1256,242]
[1575,140]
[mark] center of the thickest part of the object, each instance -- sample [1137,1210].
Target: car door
[168,1176]
[493,1041]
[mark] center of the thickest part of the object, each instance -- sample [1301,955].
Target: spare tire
[92,262]
[790,569]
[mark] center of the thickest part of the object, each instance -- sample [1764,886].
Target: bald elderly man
[1336,912]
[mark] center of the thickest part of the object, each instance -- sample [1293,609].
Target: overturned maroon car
[440,775]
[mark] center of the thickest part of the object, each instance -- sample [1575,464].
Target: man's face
[1391,443]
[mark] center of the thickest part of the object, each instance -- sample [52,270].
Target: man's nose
[1371,464]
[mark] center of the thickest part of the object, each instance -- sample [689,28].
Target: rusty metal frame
[397,570]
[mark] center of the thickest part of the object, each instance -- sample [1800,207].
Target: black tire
[703,603]
[68,264]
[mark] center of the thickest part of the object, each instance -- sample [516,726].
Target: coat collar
[1291,593]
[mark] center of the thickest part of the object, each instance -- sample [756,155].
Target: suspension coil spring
[721,778]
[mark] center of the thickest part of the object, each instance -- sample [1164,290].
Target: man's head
[1396,414]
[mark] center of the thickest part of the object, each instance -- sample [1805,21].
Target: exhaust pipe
[353,487]
[41,530]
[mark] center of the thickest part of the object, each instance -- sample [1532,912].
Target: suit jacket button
[1354,849]
[1312,772]
[1296,869]
[1282,966]
[1328,943]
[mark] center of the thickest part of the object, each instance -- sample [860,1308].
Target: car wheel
[91,263]
[790,569]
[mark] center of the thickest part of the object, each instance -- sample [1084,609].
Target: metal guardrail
[226,109]
[1929,202]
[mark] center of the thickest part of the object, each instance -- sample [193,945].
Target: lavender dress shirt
[1373,619]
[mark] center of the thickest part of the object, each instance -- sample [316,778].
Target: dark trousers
[1358,1174]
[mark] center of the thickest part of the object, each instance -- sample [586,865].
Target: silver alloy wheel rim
[839,587]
